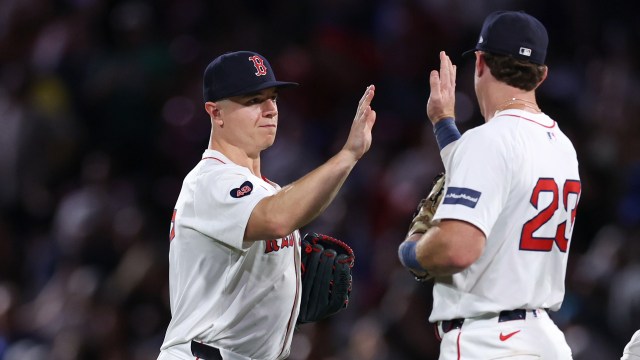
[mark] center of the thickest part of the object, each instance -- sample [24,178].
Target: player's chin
[268,141]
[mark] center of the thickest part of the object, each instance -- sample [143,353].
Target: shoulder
[214,163]
[491,135]
[495,142]
[519,120]
[209,172]
[511,127]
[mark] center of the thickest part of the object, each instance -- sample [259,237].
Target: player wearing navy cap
[498,243]
[234,258]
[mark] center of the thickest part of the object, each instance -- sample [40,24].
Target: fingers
[447,78]
[447,70]
[369,114]
[369,119]
[434,83]
[359,139]
[371,92]
[367,96]
[453,78]
[365,101]
[442,82]
[445,75]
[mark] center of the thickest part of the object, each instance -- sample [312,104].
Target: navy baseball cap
[238,73]
[513,33]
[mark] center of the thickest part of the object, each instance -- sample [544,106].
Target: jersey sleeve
[445,154]
[478,179]
[224,201]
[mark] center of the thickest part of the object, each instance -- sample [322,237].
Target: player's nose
[270,108]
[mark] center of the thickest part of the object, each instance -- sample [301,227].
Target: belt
[507,315]
[204,352]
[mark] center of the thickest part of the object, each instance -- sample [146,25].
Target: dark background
[101,117]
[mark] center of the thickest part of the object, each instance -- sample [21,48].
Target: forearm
[436,254]
[307,197]
[446,248]
[424,254]
[300,202]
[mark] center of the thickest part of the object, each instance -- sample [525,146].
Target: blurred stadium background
[101,117]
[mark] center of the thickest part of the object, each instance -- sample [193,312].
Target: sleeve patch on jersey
[462,196]
[244,190]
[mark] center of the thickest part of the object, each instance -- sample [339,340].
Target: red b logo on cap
[259,64]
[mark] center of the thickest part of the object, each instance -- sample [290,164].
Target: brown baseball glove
[427,207]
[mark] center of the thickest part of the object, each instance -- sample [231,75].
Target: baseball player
[498,242]
[234,258]
[632,350]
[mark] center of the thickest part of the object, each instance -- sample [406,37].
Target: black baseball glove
[326,277]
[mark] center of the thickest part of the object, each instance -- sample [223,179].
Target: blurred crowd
[101,117]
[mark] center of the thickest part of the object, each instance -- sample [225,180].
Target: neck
[495,96]
[238,156]
[517,103]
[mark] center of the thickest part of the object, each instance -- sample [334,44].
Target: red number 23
[533,243]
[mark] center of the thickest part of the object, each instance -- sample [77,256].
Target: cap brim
[469,52]
[281,84]
[266,85]
[256,88]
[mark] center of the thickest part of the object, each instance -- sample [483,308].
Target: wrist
[437,118]
[408,257]
[347,156]
[446,132]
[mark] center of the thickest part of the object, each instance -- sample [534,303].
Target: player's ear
[545,72]
[481,64]
[213,109]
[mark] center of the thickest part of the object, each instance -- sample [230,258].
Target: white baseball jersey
[516,179]
[241,297]
[632,349]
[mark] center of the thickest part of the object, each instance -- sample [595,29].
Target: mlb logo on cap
[525,51]
[514,33]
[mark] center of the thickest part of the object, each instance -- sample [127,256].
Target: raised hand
[442,98]
[359,139]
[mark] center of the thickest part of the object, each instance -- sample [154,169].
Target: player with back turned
[497,245]
[632,349]
[236,274]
